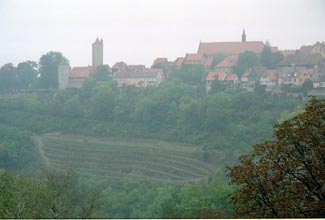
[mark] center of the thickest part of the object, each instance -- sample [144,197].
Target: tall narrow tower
[98,52]
[243,36]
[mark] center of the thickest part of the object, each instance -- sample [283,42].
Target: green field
[153,160]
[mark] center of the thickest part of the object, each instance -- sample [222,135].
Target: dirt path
[39,144]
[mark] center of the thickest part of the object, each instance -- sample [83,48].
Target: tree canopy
[8,75]
[48,68]
[285,178]
[102,73]
[246,60]
[270,59]
[57,195]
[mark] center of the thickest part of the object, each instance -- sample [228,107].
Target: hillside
[152,160]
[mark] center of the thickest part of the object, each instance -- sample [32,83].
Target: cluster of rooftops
[294,68]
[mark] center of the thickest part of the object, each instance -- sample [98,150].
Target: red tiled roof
[229,61]
[272,74]
[208,62]
[230,48]
[231,77]
[82,72]
[216,75]
[193,57]
[160,60]
[179,62]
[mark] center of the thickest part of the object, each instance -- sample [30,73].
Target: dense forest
[227,119]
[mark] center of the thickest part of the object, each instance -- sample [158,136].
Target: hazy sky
[138,31]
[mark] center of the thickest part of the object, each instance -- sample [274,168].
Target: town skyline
[148,30]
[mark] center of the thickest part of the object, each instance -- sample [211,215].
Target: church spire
[243,36]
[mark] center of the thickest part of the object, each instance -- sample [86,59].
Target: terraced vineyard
[115,158]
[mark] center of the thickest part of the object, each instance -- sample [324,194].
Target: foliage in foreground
[135,198]
[285,178]
[56,195]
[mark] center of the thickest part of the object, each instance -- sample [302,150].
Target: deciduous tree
[27,74]
[246,60]
[285,178]
[102,73]
[49,69]
[8,77]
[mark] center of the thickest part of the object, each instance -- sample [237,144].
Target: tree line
[279,178]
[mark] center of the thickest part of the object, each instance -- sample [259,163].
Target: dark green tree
[192,73]
[306,86]
[245,61]
[27,74]
[275,59]
[266,56]
[102,73]
[270,59]
[218,86]
[72,107]
[103,100]
[48,68]
[8,78]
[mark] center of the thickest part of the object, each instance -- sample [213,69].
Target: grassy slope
[154,160]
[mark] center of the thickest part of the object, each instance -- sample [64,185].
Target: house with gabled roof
[79,74]
[160,60]
[227,64]
[294,75]
[178,62]
[231,79]
[301,59]
[143,78]
[193,58]
[208,62]
[255,75]
[227,78]
[317,48]
[318,79]
[269,78]
[119,66]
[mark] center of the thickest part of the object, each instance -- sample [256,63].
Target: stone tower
[98,52]
[63,75]
[243,36]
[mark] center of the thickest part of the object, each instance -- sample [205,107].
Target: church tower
[98,52]
[243,36]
